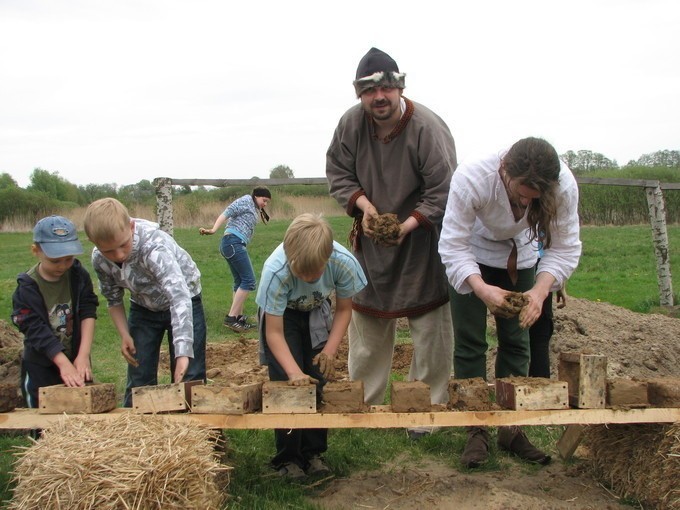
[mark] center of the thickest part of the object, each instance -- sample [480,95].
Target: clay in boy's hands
[302,380]
[326,364]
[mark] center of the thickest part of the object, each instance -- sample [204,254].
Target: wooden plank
[569,441]
[378,417]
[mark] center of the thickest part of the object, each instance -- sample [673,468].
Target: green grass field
[617,266]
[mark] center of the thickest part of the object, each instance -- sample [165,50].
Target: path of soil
[636,345]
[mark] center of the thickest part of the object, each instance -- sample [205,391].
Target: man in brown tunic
[392,155]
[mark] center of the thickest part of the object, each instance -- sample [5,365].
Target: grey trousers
[371,346]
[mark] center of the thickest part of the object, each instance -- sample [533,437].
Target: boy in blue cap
[55,307]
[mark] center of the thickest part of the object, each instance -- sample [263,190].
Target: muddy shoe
[515,441]
[476,450]
[317,467]
[291,471]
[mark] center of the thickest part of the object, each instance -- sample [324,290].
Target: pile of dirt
[11,345]
[637,345]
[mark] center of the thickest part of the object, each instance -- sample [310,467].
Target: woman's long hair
[533,162]
[262,192]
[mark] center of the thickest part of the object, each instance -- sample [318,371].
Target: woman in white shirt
[498,209]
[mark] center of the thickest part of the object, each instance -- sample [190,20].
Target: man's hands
[206,231]
[370,215]
[326,364]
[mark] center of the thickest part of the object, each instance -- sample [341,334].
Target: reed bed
[135,462]
[638,461]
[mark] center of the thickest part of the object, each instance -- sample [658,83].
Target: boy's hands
[181,366]
[83,367]
[71,377]
[68,373]
[326,364]
[301,380]
[127,348]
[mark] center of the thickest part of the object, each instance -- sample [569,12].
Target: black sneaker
[243,322]
[233,323]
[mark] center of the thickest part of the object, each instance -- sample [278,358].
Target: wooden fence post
[657,216]
[164,203]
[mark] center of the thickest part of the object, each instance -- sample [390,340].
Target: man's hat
[377,69]
[57,237]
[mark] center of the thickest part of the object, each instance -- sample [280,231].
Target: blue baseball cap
[57,237]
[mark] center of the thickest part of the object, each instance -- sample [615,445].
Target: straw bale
[134,462]
[638,461]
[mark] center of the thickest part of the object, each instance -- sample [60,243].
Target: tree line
[48,191]
[585,161]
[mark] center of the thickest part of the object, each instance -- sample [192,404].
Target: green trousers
[469,330]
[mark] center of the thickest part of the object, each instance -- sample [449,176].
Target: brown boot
[476,450]
[513,440]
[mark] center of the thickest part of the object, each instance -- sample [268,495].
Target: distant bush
[29,205]
[601,204]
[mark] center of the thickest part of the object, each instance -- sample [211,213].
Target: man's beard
[386,114]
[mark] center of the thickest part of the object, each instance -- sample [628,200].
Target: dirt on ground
[636,345]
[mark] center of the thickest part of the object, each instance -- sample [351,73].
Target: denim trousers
[34,377]
[147,329]
[469,330]
[297,445]
[233,249]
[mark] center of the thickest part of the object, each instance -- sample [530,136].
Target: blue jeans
[147,328]
[233,249]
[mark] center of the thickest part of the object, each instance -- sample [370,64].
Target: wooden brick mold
[90,399]
[163,398]
[531,393]
[279,397]
[586,375]
[216,399]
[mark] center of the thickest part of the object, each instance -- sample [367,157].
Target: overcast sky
[117,91]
